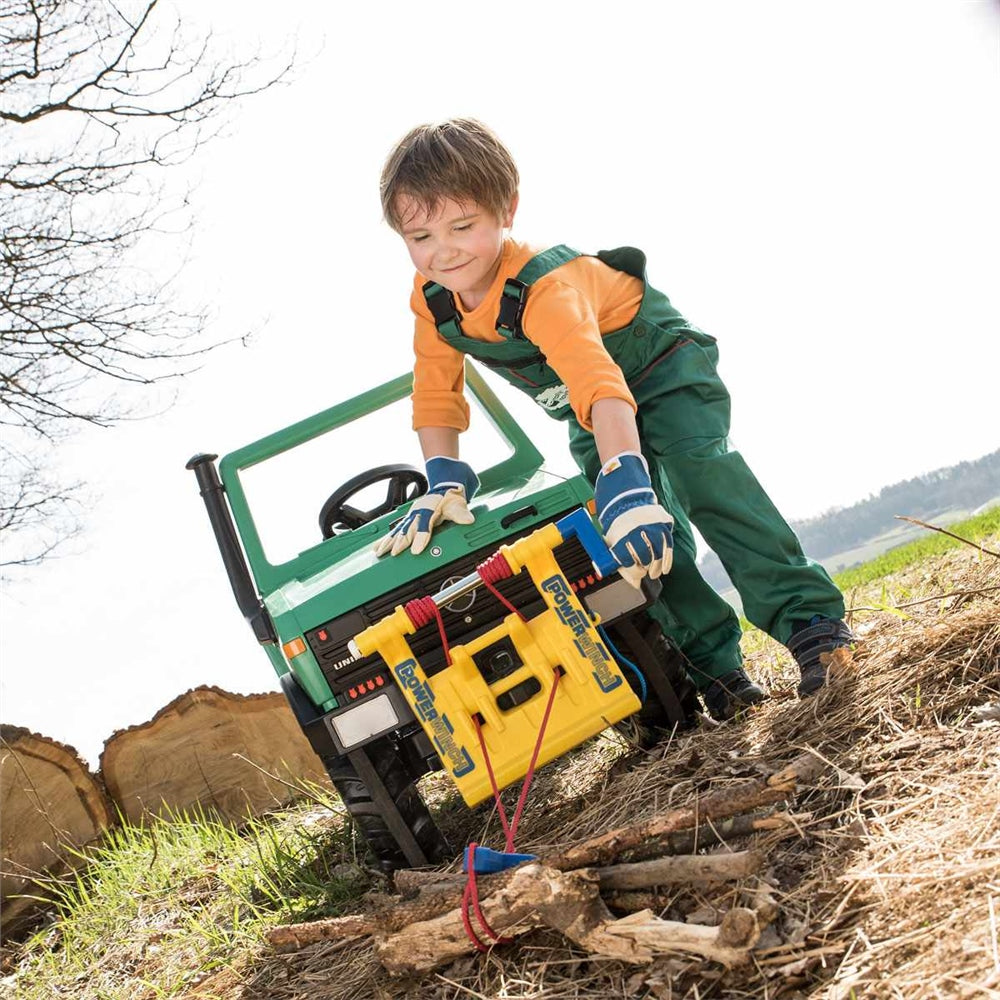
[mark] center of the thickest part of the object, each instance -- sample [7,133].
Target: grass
[876,571]
[975,529]
[164,904]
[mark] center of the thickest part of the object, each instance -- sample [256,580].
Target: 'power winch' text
[574,618]
[443,733]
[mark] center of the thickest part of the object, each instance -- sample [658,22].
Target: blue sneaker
[731,694]
[811,644]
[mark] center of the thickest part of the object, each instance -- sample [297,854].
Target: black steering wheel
[404,483]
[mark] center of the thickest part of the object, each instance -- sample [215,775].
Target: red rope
[493,570]
[534,760]
[470,898]
[493,781]
[422,610]
[467,923]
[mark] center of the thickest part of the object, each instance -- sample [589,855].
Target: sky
[813,184]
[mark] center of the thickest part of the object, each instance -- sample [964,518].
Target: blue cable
[624,659]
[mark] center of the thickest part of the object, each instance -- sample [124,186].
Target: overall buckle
[512,302]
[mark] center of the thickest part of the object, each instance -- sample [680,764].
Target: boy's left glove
[638,530]
[451,485]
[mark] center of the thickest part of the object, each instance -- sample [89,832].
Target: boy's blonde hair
[460,158]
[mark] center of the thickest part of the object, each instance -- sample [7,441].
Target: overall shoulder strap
[515,290]
[441,303]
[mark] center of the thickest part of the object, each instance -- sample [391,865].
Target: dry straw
[888,884]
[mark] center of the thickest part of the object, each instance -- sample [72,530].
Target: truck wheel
[672,699]
[370,820]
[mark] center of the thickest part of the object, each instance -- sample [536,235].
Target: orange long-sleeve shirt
[567,313]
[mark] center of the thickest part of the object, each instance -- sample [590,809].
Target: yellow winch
[590,695]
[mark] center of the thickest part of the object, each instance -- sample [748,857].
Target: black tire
[369,820]
[670,661]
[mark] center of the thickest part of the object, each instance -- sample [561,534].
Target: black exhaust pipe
[247,600]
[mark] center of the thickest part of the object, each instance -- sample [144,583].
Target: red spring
[422,611]
[493,570]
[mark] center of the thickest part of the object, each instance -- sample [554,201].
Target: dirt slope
[891,884]
[887,885]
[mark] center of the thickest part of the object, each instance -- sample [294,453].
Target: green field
[974,529]
[882,561]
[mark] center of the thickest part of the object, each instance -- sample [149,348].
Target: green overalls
[683,422]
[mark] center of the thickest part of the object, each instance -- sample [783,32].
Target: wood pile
[200,752]
[571,891]
[52,807]
[208,750]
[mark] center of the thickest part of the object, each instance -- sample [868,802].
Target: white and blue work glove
[451,485]
[637,529]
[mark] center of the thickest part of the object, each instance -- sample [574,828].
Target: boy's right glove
[451,485]
[638,530]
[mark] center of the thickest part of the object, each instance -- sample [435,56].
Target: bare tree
[97,99]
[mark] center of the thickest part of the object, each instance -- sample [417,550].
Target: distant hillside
[845,536]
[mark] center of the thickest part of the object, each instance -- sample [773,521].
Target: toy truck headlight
[365,720]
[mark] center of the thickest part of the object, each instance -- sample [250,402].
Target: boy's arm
[440,412]
[614,426]
[639,531]
[438,441]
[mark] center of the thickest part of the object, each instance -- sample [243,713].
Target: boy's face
[458,246]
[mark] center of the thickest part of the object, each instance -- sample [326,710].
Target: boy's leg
[688,610]
[684,422]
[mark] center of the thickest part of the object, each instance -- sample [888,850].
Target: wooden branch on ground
[721,831]
[927,600]
[570,903]
[564,892]
[737,797]
[293,937]
[633,902]
[950,534]
[680,868]
[640,875]
[409,881]
[730,804]
[637,874]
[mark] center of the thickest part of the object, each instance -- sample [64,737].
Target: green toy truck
[305,608]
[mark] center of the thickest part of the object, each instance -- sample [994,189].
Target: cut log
[52,805]
[190,756]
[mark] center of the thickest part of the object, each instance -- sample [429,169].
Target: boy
[648,416]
